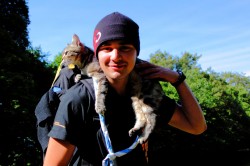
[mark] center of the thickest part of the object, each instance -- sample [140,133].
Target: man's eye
[125,48]
[105,49]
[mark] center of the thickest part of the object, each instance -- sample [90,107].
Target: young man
[77,133]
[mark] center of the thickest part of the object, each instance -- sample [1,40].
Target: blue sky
[218,30]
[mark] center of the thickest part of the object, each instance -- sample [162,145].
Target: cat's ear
[76,40]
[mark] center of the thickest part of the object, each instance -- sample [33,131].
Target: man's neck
[119,85]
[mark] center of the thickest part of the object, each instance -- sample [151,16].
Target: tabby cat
[75,55]
[145,94]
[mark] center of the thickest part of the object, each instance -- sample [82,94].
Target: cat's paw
[131,132]
[77,78]
[134,131]
[143,136]
[142,140]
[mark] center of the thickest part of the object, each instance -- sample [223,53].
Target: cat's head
[77,53]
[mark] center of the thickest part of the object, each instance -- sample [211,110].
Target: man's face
[117,59]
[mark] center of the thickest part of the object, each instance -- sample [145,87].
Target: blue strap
[106,134]
[109,159]
[56,89]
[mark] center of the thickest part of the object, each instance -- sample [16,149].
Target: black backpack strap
[89,84]
[100,137]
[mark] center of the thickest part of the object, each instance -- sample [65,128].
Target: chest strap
[109,160]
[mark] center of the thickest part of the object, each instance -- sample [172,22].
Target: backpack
[71,70]
[46,108]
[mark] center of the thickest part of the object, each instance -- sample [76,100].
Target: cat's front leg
[140,118]
[101,92]
[150,124]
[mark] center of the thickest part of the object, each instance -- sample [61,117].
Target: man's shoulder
[81,89]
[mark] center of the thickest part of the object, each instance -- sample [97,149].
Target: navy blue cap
[116,26]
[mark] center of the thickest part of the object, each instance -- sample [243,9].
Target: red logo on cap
[97,36]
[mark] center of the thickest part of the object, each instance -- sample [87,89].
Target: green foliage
[163,59]
[224,98]
[56,62]
[14,21]
[239,86]
[24,77]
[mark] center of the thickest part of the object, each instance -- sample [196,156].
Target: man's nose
[115,54]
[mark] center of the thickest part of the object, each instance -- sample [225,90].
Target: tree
[224,99]
[56,62]
[241,84]
[23,79]
[163,59]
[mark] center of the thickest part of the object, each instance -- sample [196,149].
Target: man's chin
[116,76]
